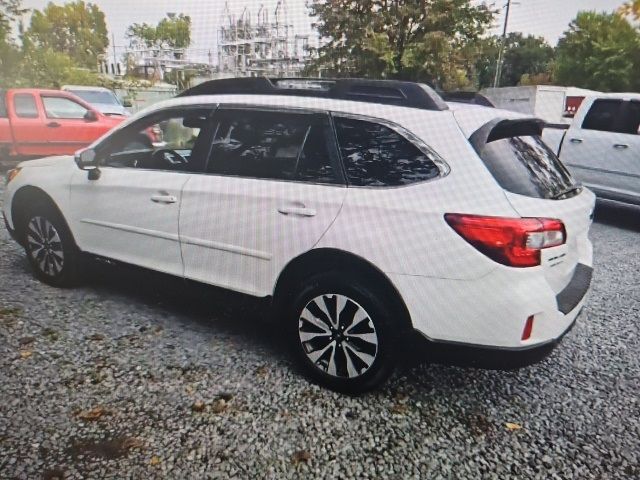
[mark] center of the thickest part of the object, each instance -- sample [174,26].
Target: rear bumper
[484,357]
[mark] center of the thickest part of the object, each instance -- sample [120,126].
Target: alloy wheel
[338,335]
[45,246]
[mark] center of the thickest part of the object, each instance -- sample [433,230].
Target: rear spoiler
[500,128]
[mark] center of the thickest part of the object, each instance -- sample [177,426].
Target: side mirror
[126,103]
[91,116]
[86,160]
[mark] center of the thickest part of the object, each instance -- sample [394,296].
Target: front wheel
[342,333]
[50,248]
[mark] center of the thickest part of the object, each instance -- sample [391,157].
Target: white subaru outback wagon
[365,211]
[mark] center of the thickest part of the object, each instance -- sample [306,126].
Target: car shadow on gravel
[618,215]
[196,305]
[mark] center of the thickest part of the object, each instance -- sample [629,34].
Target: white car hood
[61,160]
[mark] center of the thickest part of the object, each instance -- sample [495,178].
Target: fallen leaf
[25,354]
[301,456]
[155,460]
[399,408]
[93,414]
[262,371]
[26,340]
[50,334]
[189,389]
[96,337]
[130,443]
[513,426]
[198,406]
[219,406]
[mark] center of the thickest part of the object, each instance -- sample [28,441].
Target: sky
[547,18]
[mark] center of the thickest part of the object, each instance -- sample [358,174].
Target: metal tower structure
[260,45]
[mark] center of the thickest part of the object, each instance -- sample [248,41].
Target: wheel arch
[25,198]
[324,259]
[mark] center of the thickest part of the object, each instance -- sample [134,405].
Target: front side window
[25,105]
[273,145]
[376,155]
[166,141]
[603,116]
[63,108]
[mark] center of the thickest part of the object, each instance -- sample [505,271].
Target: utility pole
[115,59]
[496,80]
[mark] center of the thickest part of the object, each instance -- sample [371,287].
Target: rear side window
[376,156]
[25,105]
[603,116]
[526,166]
[273,145]
[631,118]
[3,105]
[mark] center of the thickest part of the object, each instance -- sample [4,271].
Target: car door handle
[620,146]
[301,211]
[576,140]
[163,199]
[53,124]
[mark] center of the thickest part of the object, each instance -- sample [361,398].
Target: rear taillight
[515,242]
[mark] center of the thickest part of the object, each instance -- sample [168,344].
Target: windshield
[96,96]
[526,166]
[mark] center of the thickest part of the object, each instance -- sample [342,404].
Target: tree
[600,51]
[428,40]
[525,58]
[10,57]
[172,32]
[631,8]
[50,69]
[76,29]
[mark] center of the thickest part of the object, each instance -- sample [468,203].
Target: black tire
[369,303]
[50,247]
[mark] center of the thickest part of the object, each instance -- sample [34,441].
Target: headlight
[13,173]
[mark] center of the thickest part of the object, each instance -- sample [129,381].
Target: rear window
[526,166]
[3,105]
[25,105]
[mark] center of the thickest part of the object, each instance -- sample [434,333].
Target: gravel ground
[133,377]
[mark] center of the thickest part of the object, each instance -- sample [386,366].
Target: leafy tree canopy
[427,40]
[600,51]
[174,31]
[77,29]
[524,56]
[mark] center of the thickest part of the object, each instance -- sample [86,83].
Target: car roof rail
[389,92]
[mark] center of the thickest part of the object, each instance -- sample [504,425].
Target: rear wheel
[342,333]
[50,248]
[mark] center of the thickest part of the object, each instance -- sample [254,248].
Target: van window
[25,105]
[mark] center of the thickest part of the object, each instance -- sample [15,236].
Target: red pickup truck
[38,123]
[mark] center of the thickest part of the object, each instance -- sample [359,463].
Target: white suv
[365,210]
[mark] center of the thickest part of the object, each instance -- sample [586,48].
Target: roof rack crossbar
[389,92]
